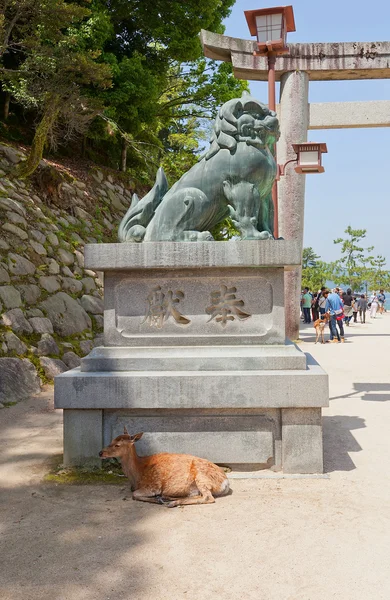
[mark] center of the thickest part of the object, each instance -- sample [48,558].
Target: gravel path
[283,539]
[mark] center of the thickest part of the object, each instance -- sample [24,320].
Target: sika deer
[170,479]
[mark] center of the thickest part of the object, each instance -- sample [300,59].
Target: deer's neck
[131,466]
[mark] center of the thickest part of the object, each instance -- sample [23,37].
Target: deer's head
[119,446]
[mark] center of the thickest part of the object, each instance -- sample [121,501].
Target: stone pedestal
[195,356]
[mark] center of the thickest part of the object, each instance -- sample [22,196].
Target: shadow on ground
[82,539]
[368,392]
[339,441]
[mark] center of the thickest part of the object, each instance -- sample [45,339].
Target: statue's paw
[205,236]
[136,234]
[196,236]
[265,235]
[257,235]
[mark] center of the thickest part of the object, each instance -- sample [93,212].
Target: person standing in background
[334,305]
[348,310]
[321,301]
[374,306]
[362,306]
[381,300]
[314,308]
[306,305]
[355,309]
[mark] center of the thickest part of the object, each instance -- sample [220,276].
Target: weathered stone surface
[38,236]
[34,312]
[73,220]
[14,343]
[54,267]
[83,437]
[15,230]
[88,284]
[81,213]
[52,366]
[52,239]
[41,325]
[75,236]
[66,314]
[38,248]
[49,283]
[71,360]
[18,265]
[66,272]
[16,219]
[3,245]
[86,346]
[257,389]
[115,201]
[4,277]
[18,379]
[30,293]
[65,256]
[302,440]
[15,319]
[262,253]
[13,156]
[92,305]
[80,258]
[10,296]
[80,184]
[72,285]
[47,345]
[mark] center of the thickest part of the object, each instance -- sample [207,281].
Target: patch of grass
[8,404]
[109,474]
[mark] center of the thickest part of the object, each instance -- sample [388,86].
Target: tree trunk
[123,164]
[51,110]
[6,105]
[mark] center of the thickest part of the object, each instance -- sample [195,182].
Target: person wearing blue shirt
[335,307]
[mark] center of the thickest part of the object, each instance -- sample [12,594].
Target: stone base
[263,418]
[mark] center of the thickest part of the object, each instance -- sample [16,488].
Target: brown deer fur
[319,326]
[170,479]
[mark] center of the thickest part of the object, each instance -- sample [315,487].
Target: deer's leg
[147,496]
[205,497]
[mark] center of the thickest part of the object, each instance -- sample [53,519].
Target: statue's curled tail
[133,225]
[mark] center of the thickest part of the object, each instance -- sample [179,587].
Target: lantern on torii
[270,26]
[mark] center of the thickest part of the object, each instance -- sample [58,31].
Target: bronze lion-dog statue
[234,178]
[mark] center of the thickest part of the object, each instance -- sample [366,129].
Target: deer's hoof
[172,504]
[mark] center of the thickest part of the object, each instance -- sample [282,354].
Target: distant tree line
[357,267]
[121,82]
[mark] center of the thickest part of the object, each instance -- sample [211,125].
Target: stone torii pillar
[305,62]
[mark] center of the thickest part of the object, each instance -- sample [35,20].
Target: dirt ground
[279,539]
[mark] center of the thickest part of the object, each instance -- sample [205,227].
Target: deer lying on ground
[319,326]
[169,479]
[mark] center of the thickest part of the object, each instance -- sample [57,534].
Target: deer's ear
[125,431]
[136,437]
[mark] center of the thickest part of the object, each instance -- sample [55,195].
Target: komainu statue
[234,178]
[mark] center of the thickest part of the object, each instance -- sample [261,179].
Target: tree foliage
[128,75]
[357,267]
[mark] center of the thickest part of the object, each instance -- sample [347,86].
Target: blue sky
[354,190]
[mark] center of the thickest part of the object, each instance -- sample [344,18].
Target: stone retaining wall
[50,306]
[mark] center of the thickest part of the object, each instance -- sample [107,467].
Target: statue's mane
[225,134]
